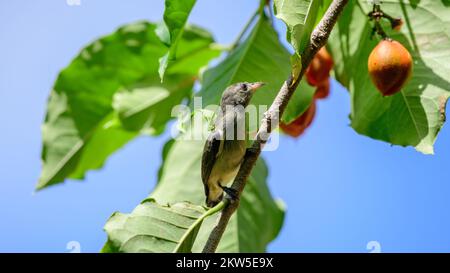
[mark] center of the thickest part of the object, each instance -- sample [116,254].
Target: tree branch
[318,39]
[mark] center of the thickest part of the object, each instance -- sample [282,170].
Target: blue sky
[342,190]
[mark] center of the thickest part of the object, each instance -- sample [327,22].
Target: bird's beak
[256,85]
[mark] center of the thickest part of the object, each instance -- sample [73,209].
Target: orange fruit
[319,69]
[390,66]
[298,126]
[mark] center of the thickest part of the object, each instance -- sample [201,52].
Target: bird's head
[240,93]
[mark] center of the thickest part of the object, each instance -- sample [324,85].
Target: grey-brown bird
[225,147]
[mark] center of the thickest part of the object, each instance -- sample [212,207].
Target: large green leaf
[414,116]
[195,49]
[149,106]
[261,57]
[81,128]
[256,223]
[155,228]
[300,17]
[150,103]
[176,14]
[258,219]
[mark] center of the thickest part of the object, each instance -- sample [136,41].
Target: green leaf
[302,98]
[131,104]
[299,102]
[414,116]
[109,137]
[152,227]
[195,50]
[147,106]
[81,128]
[261,57]
[300,17]
[258,219]
[176,14]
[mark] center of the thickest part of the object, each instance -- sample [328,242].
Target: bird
[225,146]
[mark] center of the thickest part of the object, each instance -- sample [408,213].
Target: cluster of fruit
[317,75]
[389,66]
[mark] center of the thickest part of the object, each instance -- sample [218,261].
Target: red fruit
[319,69]
[323,90]
[390,66]
[298,126]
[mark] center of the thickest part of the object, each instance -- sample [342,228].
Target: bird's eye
[243,86]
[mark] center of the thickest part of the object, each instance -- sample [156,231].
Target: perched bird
[225,146]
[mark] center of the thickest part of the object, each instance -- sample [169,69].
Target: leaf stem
[199,221]
[221,47]
[377,14]
[379,29]
[215,209]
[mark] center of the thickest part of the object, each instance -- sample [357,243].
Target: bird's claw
[252,150]
[231,194]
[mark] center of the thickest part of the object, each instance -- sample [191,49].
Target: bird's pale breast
[227,164]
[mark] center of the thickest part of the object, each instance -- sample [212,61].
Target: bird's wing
[212,149]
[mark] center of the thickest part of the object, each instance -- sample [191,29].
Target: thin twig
[270,121]
[244,30]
